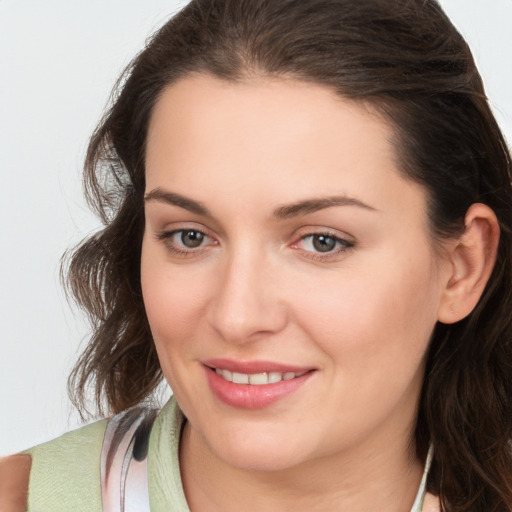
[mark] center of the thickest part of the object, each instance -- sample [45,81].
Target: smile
[257,379]
[254,384]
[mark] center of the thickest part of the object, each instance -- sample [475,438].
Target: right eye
[185,241]
[190,238]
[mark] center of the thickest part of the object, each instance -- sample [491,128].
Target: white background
[58,62]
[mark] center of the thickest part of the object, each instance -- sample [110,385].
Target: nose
[248,301]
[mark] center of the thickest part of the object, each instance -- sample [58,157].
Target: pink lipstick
[253,384]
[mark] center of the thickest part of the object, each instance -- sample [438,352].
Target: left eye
[323,243]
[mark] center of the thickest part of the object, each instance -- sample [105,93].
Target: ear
[470,259]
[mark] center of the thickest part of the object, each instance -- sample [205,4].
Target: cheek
[374,329]
[170,308]
[174,304]
[376,319]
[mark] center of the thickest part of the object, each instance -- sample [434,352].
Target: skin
[14,478]
[257,289]
[360,316]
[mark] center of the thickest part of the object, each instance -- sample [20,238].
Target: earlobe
[471,261]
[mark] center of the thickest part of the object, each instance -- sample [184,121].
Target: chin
[258,452]
[260,460]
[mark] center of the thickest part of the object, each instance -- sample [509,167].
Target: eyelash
[342,245]
[166,237]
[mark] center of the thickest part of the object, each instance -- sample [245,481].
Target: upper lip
[251,367]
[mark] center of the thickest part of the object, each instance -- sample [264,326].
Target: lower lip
[247,396]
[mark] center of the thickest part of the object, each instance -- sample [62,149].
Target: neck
[382,474]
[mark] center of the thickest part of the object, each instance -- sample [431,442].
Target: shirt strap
[418,502]
[124,473]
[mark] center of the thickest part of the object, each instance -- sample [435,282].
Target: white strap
[124,480]
[418,502]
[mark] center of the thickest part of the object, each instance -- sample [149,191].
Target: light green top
[65,473]
[165,487]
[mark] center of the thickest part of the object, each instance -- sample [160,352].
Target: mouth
[254,384]
[257,379]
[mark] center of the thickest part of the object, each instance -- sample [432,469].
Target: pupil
[192,239]
[324,243]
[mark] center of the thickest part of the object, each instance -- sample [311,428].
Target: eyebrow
[177,200]
[314,205]
[282,212]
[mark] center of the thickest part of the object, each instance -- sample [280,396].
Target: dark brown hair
[406,59]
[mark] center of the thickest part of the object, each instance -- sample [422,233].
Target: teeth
[256,379]
[274,377]
[226,374]
[240,378]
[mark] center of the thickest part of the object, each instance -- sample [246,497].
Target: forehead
[274,111]
[279,138]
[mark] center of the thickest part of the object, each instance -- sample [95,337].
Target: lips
[255,384]
[251,367]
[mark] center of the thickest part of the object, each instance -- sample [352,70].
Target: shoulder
[64,473]
[14,478]
[431,503]
[71,444]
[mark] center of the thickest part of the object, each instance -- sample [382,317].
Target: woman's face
[283,248]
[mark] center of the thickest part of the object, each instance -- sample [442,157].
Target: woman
[307,212]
